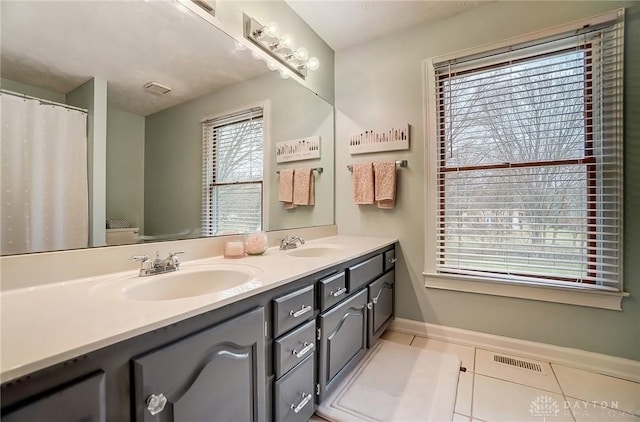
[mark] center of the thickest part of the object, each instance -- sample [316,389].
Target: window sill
[573,296]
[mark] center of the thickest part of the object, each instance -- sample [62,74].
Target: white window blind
[232,170]
[529,160]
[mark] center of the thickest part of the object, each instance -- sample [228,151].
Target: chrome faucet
[157,266]
[289,242]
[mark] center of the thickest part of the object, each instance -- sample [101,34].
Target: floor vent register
[518,363]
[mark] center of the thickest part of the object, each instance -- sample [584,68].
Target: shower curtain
[43,178]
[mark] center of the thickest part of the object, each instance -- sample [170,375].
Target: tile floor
[495,392]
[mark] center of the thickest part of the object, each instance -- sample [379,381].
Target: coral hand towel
[303,187]
[285,188]
[363,183]
[385,183]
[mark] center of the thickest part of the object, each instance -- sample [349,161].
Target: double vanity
[254,339]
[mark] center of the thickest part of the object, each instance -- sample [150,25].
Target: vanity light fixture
[271,65]
[280,47]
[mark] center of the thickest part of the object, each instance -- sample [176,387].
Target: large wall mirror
[87,63]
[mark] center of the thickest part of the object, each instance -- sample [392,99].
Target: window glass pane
[531,110]
[526,221]
[238,152]
[236,208]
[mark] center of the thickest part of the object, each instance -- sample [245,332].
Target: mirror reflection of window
[232,173]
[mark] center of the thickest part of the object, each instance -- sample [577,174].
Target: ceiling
[130,43]
[59,45]
[346,23]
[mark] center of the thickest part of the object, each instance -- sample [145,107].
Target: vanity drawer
[332,290]
[293,393]
[389,259]
[292,310]
[293,348]
[364,272]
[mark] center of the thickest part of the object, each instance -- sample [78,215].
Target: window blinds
[232,171]
[529,160]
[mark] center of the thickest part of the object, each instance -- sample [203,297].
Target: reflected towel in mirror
[285,188]
[303,187]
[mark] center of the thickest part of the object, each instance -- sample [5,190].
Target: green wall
[380,83]
[92,95]
[125,166]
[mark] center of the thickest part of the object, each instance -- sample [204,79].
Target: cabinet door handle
[156,403]
[303,310]
[369,305]
[338,292]
[306,398]
[375,299]
[392,260]
[307,347]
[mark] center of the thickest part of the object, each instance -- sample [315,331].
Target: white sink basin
[314,251]
[190,282]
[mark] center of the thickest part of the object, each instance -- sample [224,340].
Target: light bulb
[313,63]
[271,65]
[286,42]
[271,29]
[284,75]
[301,54]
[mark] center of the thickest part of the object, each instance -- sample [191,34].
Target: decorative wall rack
[394,139]
[298,149]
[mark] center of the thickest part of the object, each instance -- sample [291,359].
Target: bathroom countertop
[48,324]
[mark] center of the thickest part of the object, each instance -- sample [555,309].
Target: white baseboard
[594,362]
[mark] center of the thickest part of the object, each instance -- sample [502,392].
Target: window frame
[209,184]
[558,291]
[588,159]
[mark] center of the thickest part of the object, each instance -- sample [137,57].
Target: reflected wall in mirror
[144,149]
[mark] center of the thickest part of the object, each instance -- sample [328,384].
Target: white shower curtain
[44,187]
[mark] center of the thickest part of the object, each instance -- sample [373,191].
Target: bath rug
[398,383]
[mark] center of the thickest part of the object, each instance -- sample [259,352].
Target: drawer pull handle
[306,398]
[303,310]
[392,260]
[156,403]
[307,347]
[338,292]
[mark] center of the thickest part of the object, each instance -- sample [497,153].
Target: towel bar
[401,163]
[319,170]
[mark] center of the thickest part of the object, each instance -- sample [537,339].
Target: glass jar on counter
[256,243]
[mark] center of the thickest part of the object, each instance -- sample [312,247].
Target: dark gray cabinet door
[82,401]
[215,375]
[381,310]
[343,340]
